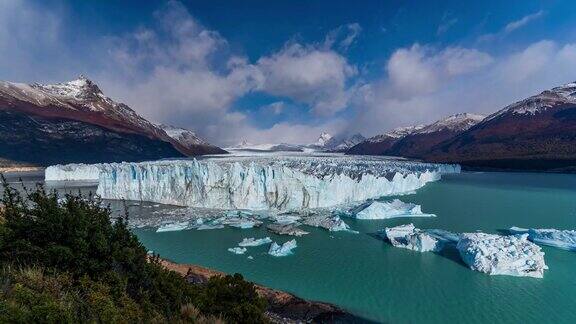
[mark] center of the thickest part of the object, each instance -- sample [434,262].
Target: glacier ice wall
[255,183]
[73,172]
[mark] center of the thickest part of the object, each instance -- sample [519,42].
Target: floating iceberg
[238,250]
[73,172]
[256,183]
[173,227]
[254,242]
[390,209]
[285,219]
[409,237]
[204,227]
[510,255]
[282,250]
[563,239]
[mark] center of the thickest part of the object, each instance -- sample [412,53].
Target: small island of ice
[563,239]
[254,242]
[392,209]
[409,237]
[510,255]
[172,227]
[282,250]
[238,250]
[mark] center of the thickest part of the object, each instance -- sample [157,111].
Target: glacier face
[258,183]
[73,172]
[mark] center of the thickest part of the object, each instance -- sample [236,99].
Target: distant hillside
[76,122]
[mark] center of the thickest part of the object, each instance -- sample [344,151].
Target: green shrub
[65,261]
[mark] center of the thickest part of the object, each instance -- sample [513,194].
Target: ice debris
[238,250]
[282,250]
[171,227]
[409,237]
[563,239]
[390,209]
[511,255]
[254,242]
[286,229]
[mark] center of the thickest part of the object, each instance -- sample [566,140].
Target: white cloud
[446,23]
[275,108]
[452,85]
[512,26]
[343,36]
[421,69]
[309,75]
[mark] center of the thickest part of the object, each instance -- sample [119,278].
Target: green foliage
[64,261]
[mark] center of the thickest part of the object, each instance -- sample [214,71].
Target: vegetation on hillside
[65,261]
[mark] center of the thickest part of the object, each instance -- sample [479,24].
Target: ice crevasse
[288,184]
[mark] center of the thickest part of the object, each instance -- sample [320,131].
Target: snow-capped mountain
[189,140]
[327,142]
[414,141]
[538,132]
[75,122]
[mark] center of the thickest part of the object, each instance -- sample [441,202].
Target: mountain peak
[323,139]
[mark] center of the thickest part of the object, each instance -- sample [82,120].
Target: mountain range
[537,133]
[75,122]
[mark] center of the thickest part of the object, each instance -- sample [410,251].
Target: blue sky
[283,71]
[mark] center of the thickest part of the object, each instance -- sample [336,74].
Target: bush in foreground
[64,261]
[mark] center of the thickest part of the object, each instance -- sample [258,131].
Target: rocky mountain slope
[192,144]
[416,141]
[76,122]
[537,133]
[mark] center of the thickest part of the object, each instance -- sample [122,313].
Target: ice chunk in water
[282,250]
[238,250]
[409,237]
[511,255]
[254,242]
[390,209]
[173,227]
[563,239]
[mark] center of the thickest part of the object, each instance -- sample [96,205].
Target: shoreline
[283,307]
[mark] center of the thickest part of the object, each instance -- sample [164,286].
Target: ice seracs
[282,250]
[283,183]
[254,242]
[563,239]
[511,255]
[409,237]
[390,209]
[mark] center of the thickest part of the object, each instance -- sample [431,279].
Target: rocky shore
[283,307]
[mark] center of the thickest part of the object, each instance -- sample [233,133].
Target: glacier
[73,172]
[409,237]
[282,250]
[254,242]
[257,182]
[511,255]
[385,210]
[563,239]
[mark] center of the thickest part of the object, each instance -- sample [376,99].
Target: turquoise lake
[371,279]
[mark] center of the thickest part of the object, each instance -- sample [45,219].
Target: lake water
[368,277]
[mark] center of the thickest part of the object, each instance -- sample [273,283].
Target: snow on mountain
[565,94]
[323,139]
[190,140]
[454,123]
[396,133]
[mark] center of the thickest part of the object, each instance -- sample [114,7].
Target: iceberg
[285,219]
[254,242]
[282,250]
[510,255]
[331,223]
[238,250]
[204,227]
[73,172]
[409,237]
[259,183]
[173,227]
[563,239]
[392,209]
